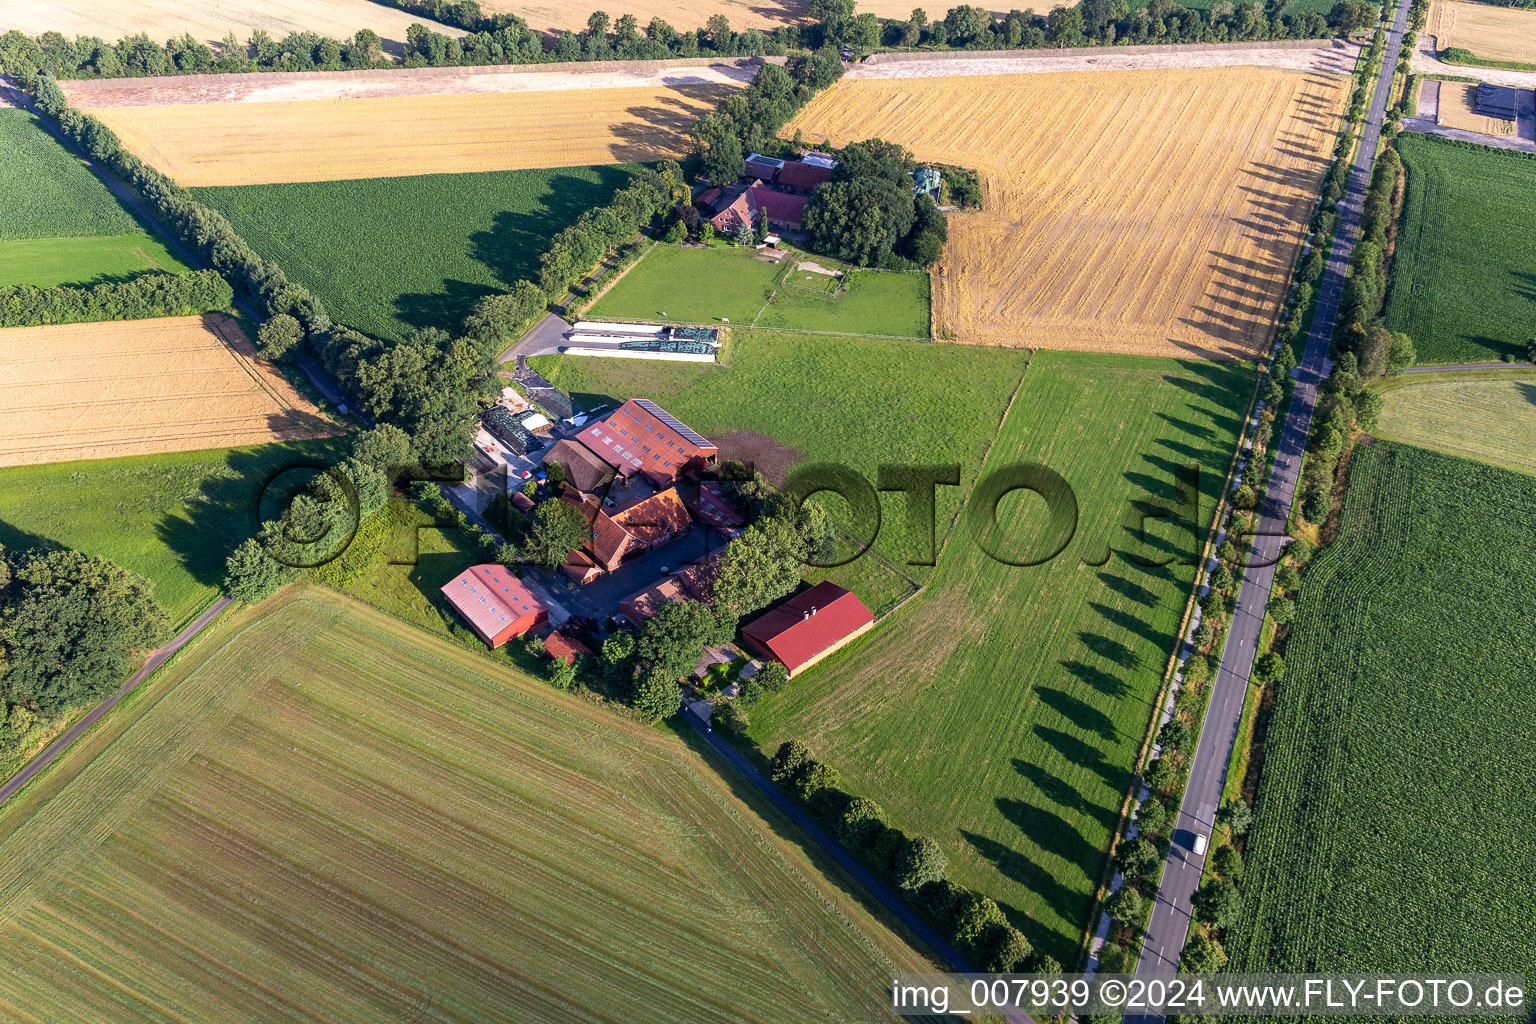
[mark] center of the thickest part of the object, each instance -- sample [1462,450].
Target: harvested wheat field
[210,20]
[555,16]
[1493,33]
[97,391]
[1148,212]
[249,143]
[1458,109]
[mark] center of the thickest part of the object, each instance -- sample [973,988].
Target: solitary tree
[1235,815]
[557,528]
[1269,667]
[1203,955]
[918,862]
[658,696]
[1125,906]
[1217,903]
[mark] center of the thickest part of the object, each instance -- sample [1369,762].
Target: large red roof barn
[495,603]
[809,626]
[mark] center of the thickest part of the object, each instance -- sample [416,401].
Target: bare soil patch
[102,390]
[762,452]
[1458,109]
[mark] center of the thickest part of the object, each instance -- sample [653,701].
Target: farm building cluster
[626,340]
[771,190]
[641,479]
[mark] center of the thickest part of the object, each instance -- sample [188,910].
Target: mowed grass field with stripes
[1001,710]
[322,813]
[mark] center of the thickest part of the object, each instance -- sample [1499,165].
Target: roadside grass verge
[449,829]
[171,518]
[1001,710]
[1463,281]
[387,255]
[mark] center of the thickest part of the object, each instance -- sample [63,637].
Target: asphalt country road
[1171,911]
[53,750]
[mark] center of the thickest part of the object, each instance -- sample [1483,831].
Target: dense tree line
[150,295]
[576,249]
[749,119]
[915,864]
[71,629]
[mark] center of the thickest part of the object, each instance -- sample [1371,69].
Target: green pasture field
[86,260]
[1489,415]
[321,813]
[1463,282]
[388,255]
[59,224]
[711,285]
[1001,710]
[171,518]
[859,402]
[1393,832]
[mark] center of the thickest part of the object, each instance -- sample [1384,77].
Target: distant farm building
[803,177]
[562,647]
[691,583]
[641,527]
[711,504]
[584,470]
[783,210]
[642,437]
[1497,101]
[501,424]
[544,394]
[765,167]
[495,603]
[630,340]
[809,626]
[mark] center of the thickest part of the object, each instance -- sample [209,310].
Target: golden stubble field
[1493,33]
[1458,109]
[96,391]
[1151,212]
[258,143]
[209,20]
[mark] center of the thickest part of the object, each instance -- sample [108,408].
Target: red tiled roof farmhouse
[783,209]
[564,648]
[642,437]
[809,626]
[803,176]
[495,603]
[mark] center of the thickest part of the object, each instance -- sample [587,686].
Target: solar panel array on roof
[683,430]
[705,334]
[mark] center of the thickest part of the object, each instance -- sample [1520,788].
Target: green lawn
[59,224]
[322,813]
[861,402]
[45,262]
[171,518]
[707,286]
[702,286]
[1001,710]
[387,255]
[1486,415]
[1463,282]
[1394,832]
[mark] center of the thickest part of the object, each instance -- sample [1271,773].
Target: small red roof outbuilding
[809,626]
[497,605]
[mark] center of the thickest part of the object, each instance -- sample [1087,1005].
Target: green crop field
[276,829]
[1000,711]
[59,224]
[1393,830]
[860,402]
[45,262]
[171,518]
[1489,416]
[707,286]
[387,255]
[1463,281]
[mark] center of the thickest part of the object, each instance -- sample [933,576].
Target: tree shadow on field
[1054,789]
[14,540]
[232,501]
[661,129]
[1016,867]
[1084,755]
[1076,711]
[1104,682]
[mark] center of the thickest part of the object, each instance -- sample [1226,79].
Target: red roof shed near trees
[809,626]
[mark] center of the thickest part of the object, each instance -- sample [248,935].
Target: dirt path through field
[340,85]
[1330,56]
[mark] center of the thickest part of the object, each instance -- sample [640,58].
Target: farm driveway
[58,746]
